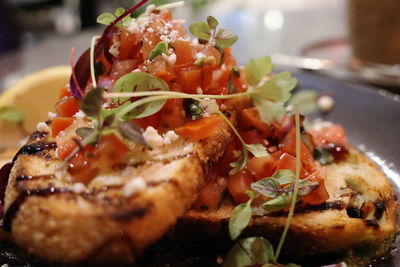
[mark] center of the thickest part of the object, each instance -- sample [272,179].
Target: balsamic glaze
[35,148]
[21,178]
[4,174]
[23,195]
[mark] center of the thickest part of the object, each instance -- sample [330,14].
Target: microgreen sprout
[92,71]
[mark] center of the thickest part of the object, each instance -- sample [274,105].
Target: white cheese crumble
[135,185]
[319,124]
[51,115]
[114,49]
[42,127]
[133,27]
[325,103]
[152,137]
[155,140]
[199,91]
[199,55]
[78,188]
[80,115]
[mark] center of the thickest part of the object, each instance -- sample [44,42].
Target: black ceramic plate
[371,118]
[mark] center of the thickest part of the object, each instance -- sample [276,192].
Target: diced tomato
[330,134]
[319,195]
[171,114]
[200,129]
[65,139]
[261,167]
[122,67]
[160,68]
[210,196]
[252,136]
[67,107]
[288,162]
[229,59]
[151,38]
[81,168]
[288,145]
[207,77]
[166,14]
[64,92]
[238,184]
[109,151]
[184,52]
[60,124]
[191,80]
[250,117]
[152,120]
[127,47]
[239,103]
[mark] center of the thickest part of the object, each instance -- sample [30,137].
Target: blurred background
[298,34]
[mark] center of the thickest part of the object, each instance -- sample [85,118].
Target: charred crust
[338,226]
[22,177]
[379,209]
[37,135]
[331,205]
[133,213]
[372,223]
[35,149]
[353,212]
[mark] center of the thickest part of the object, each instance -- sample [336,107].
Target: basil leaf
[200,30]
[258,150]
[277,88]
[269,110]
[248,252]
[323,156]
[284,176]
[239,164]
[225,38]
[140,81]
[268,186]
[119,11]
[240,218]
[279,202]
[257,69]
[212,22]
[105,18]
[92,102]
[306,187]
[11,114]
[159,49]
[307,100]
[133,132]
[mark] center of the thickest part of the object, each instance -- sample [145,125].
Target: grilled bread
[115,216]
[362,209]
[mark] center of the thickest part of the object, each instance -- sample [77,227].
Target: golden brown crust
[317,230]
[101,224]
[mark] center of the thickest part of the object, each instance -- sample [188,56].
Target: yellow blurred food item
[35,96]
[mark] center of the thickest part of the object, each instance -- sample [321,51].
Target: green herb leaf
[119,11]
[307,100]
[133,132]
[248,252]
[279,202]
[240,217]
[323,156]
[201,30]
[84,131]
[269,110]
[257,69]
[105,18]
[225,38]
[140,81]
[193,109]
[276,89]
[212,22]
[159,49]
[12,114]
[284,176]
[240,163]
[258,150]
[306,187]
[92,102]
[271,186]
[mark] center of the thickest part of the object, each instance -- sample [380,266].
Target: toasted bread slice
[362,209]
[116,215]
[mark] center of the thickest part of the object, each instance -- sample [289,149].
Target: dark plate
[371,118]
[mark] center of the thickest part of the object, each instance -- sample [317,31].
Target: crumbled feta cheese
[199,91]
[150,30]
[114,49]
[80,115]
[319,124]
[210,106]
[42,127]
[51,115]
[169,137]
[149,9]
[135,185]
[78,188]
[199,55]
[133,27]
[325,103]
[165,38]
[152,137]
[171,59]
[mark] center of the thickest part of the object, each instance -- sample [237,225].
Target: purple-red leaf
[82,73]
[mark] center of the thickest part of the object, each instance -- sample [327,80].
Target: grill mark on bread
[135,212]
[22,196]
[37,135]
[35,149]
[330,205]
[23,178]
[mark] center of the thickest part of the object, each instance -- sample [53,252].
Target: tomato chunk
[210,196]
[109,151]
[200,129]
[251,118]
[319,195]
[262,167]
[191,80]
[81,168]
[288,162]
[238,184]
[67,107]
[184,52]
[64,92]
[60,124]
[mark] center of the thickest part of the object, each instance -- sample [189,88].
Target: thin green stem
[92,72]
[171,93]
[296,183]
